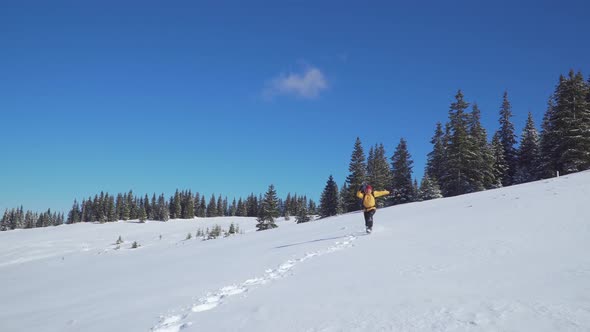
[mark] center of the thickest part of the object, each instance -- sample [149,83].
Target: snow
[510,259]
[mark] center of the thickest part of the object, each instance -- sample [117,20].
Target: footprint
[204,306]
[232,290]
[171,324]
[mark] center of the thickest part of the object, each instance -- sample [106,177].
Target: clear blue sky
[228,97]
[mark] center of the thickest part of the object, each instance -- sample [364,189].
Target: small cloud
[307,84]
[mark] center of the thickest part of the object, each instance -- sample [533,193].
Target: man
[368,196]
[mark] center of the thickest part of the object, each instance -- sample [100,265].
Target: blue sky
[229,97]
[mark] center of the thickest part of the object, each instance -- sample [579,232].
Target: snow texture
[510,259]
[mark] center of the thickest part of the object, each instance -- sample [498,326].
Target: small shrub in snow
[135,245]
[119,240]
[189,236]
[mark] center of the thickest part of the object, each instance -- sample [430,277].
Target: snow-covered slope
[513,259]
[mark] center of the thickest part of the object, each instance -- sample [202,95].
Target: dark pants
[369,218]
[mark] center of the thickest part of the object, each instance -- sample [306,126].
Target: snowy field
[513,259]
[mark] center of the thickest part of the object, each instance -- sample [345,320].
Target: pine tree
[342,201]
[220,211]
[111,209]
[481,169]
[233,210]
[146,205]
[241,211]
[189,210]
[401,170]
[500,165]
[436,158]
[330,198]
[302,215]
[312,207]
[508,140]
[357,176]
[269,210]
[163,211]
[74,216]
[212,207]
[528,153]
[176,211]
[378,170]
[119,206]
[428,189]
[4,221]
[459,175]
[154,208]
[570,124]
[142,216]
[202,207]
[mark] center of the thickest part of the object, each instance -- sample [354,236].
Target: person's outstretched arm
[380,193]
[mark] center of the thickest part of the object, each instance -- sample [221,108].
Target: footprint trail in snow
[175,323]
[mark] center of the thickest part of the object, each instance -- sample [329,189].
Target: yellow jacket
[369,200]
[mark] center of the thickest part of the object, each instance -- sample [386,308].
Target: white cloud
[308,84]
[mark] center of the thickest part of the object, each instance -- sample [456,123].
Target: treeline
[463,160]
[182,205]
[105,207]
[18,218]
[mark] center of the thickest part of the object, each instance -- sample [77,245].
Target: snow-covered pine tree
[302,214]
[429,189]
[164,212]
[4,225]
[481,169]
[329,199]
[342,201]
[401,170]
[459,176]
[268,210]
[500,166]
[528,153]
[571,124]
[357,175]
[142,215]
[30,219]
[508,140]
[378,170]
[436,158]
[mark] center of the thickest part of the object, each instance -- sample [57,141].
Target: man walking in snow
[368,196]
